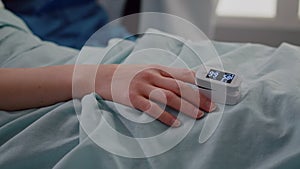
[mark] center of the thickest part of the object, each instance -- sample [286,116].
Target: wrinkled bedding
[261,131]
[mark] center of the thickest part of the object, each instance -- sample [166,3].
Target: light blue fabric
[19,48]
[261,132]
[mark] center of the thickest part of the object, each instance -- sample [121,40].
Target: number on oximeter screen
[220,76]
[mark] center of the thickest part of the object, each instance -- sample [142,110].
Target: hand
[138,86]
[143,86]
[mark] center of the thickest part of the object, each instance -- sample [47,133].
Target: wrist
[103,80]
[93,78]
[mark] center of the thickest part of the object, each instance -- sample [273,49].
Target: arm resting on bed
[138,86]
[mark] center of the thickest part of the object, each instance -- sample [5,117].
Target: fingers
[171,99]
[155,111]
[181,74]
[187,93]
[168,86]
[174,79]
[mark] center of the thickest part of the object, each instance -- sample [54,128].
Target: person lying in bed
[24,88]
[68,22]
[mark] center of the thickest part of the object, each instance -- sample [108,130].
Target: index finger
[182,74]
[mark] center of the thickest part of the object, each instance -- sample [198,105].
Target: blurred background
[269,22]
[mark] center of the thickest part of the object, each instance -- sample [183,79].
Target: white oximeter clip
[220,86]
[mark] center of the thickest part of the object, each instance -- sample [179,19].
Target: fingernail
[212,106]
[176,123]
[200,114]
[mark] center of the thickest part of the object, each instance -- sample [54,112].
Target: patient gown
[68,22]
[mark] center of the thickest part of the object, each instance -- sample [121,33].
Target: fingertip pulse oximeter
[220,86]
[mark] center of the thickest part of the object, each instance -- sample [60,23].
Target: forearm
[23,88]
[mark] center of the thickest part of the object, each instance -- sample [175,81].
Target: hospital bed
[261,131]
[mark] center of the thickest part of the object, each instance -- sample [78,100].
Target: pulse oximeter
[220,86]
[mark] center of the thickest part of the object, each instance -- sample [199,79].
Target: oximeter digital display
[220,76]
[221,86]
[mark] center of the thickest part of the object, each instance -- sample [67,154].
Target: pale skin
[138,86]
